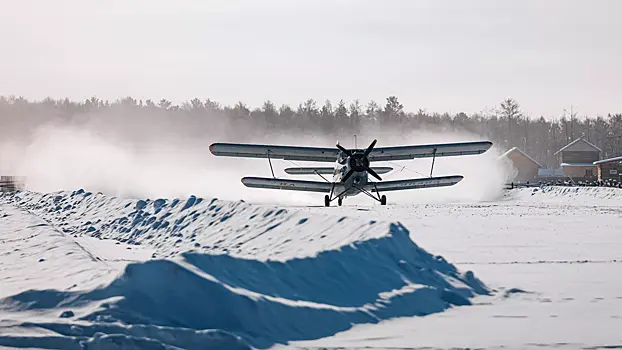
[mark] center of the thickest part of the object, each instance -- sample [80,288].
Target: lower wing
[410,184]
[328,170]
[292,185]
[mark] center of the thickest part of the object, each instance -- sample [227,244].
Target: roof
[516,149]
[580,139]
[577,164]
[609,160]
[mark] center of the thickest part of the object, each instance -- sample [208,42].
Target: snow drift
[229,274]
[566,195]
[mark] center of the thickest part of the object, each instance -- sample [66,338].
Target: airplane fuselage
[358,179]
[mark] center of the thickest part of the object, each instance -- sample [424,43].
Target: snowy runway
[564,248]
[196,273]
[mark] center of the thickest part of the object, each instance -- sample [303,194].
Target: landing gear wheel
[339,201]
[326,201]
[383,200]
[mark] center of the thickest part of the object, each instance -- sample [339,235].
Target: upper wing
[294,185]
[321,154]
[313,154]
[424,151]
[414,183]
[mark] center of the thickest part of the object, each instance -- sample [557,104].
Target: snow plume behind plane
[139,156]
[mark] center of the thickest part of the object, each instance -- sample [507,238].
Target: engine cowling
[358,161]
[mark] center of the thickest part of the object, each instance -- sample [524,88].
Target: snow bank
[253,275]
[33,250]
[566,195]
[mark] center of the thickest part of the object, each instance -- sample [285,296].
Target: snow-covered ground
[532,268]
[561,246]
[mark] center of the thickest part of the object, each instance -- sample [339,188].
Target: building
[550,174]
[609,169]
[525,167]
[12,183]
[577,159]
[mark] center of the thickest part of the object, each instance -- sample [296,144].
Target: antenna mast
[355,146]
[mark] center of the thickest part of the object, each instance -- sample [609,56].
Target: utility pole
[572,117]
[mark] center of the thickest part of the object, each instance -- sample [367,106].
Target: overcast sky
[436,55]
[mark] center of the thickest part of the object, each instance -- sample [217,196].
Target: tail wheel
[326,201]
[339,201]
[383,200]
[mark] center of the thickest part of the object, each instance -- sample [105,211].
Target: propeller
[348,174]
[370,148]
[346,151]
[359,161]
[373,173]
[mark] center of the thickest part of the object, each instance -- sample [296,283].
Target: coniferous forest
[507,125]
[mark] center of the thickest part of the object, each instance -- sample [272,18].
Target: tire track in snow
[47,223]
[540,262]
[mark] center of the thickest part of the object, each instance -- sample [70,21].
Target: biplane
[351,170]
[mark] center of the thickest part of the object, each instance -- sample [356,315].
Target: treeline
[507,126]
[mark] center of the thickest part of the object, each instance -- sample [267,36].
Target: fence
[567,183]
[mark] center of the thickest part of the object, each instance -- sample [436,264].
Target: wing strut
[320,175]
[270,161]
[433,159]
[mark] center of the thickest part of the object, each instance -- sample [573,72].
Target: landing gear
[339,201]
[383,200]
[327,201]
